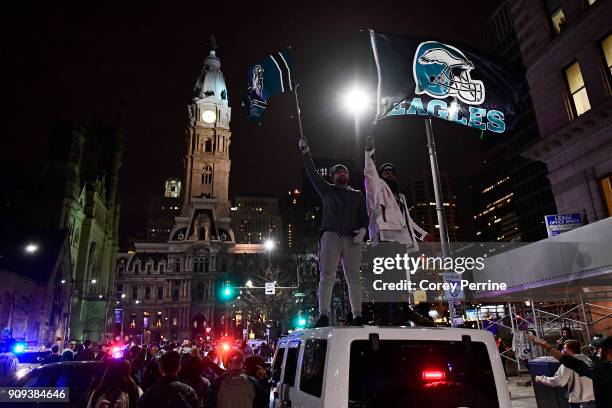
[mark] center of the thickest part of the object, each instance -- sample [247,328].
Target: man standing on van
[390,222]
[343,229]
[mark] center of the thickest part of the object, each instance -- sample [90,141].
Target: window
[147,294]
[199,294]
[606,192]
[160,292]
[120,287]
[162,267]
[291,363]
[175,290]
[149,269]
[134,293]
[278,362]
[208,145]
[606,50]
[577,90]
[207,174]
[468,374]
[313,365]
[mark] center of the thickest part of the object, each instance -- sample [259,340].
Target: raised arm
[318,182]
[372,179]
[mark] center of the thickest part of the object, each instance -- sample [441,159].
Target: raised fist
[303,144]
[369,144]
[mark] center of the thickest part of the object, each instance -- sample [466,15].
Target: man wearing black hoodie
[343,229]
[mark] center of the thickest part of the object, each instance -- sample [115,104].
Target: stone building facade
[566,46]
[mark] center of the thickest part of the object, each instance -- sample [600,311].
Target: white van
[371,367]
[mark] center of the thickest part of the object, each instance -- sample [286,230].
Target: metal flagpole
[435,175]
[299,112]
[442,228]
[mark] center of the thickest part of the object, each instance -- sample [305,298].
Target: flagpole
[442,227]
[299,112]
[435,175]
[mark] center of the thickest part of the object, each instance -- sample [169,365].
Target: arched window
[208,145]
[207,174]
[199,293]
[206,264]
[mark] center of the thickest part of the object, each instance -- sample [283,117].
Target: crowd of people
[168,375]
[192,375]
[588,377]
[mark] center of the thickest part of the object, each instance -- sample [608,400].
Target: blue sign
[560,223]
[118,315]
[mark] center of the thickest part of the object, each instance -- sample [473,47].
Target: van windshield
[407,373]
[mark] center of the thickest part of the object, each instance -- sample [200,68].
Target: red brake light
[225,346]
[433,375]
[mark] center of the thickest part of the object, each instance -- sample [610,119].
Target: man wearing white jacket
[580,389]
[390,222]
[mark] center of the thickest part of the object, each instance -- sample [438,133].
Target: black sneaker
[322,322]
[358,321]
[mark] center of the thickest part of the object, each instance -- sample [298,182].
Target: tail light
[433,375]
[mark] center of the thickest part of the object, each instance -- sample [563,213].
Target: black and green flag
[270,76]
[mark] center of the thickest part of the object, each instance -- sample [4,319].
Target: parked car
[363,367]
[30,359]
[78,376]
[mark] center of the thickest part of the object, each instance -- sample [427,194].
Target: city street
[314,204]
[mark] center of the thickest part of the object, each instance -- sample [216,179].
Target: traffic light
[227,292]
[300,321]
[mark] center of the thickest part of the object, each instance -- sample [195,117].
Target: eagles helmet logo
[442,71]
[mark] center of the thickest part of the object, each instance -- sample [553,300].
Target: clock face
[209,116]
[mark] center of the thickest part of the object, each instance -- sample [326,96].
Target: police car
[369,366]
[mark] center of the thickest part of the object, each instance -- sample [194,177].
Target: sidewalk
[521,397]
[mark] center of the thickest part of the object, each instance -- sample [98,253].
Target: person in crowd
[151,373]
[139,356]
[8,366]
[54,357]
[86,354]
[343,229]
[191,373]
[116,389]
[598,371]
[68,352]
[169,391]
[390,222]
[265,351]
[246,349]
[211,367]
[103,352]
[580,389]
[236,389]
[595,347]
[566,334]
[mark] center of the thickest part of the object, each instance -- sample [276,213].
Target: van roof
[350,333]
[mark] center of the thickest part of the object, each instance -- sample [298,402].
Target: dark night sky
[79,63]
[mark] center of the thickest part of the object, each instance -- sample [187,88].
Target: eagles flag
[266,78]
[424,77]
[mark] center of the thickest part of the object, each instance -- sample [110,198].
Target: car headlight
[21,372]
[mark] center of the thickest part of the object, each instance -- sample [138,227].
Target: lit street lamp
[356,100]
[31,248]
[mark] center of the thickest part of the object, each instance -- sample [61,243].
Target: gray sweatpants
[333,248]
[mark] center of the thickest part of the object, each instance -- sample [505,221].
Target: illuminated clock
[209,116]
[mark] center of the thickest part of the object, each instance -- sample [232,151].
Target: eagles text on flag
[421,77]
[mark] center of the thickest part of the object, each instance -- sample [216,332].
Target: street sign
[454,279]
[118,315]
[559,223]
[299,294]
[270,288]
